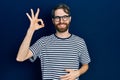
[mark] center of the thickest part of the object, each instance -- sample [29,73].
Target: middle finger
[37,13]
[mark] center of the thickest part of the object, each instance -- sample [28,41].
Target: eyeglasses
[58,18]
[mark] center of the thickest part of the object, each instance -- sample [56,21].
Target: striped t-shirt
[57,54]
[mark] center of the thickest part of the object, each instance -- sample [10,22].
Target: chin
[62,30]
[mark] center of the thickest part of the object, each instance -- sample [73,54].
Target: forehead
[60,12]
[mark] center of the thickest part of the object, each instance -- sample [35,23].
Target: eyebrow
[63,15]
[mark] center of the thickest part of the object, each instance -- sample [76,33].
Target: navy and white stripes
[57,54]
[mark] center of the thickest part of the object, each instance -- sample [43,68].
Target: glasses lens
[57,18]
[65,18]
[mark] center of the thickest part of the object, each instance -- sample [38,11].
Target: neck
[63,34]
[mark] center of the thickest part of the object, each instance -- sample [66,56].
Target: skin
[24,52]
[61,24]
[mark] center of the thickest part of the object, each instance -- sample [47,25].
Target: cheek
[68,22]
[55,23]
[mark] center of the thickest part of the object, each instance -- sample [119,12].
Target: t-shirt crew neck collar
[62,38]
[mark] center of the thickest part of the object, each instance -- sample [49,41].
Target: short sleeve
[84,55]
[36,49]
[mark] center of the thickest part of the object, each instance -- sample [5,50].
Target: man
[60,53]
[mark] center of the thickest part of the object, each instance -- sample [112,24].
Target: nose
[61,20]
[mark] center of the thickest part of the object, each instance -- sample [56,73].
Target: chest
[60,51]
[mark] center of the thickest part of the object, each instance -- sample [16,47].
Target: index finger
[65,76]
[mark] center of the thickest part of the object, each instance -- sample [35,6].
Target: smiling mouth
[62,25]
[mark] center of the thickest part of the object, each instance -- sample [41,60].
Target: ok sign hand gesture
[34,21]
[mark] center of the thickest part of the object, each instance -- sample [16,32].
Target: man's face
[61,20]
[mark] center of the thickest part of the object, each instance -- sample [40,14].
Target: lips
[62,25]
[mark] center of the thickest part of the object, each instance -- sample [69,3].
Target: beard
[62,29]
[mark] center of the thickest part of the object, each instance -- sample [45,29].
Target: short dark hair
[61,6]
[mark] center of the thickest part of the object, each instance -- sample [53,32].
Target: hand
[34,21]
[72,75]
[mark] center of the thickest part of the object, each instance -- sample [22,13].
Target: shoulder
[79,41]
[46,38]
[78,38]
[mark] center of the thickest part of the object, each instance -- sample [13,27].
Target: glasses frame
[64,18]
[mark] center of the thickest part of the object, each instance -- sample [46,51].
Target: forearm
[83,69]
[24,52]
[24,48]
[73,74]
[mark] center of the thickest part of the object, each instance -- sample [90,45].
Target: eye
[65,17]
[56,17]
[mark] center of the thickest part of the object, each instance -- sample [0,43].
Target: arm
[83,69]
[24,52]
[73,74]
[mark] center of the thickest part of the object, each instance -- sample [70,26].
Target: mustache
[62,23]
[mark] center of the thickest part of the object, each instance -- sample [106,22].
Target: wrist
[30,31]
[78,73]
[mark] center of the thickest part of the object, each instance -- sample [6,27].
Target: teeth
[62,25]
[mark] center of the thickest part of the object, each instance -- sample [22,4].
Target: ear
[52,20]
[70,18]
